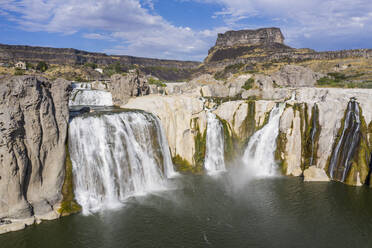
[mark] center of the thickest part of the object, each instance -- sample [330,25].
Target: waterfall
[343,153]
[83,95]
[259,155]
[117,155]
[214,156]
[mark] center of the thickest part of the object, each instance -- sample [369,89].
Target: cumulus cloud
[129,22]
[303,21]
[137,30]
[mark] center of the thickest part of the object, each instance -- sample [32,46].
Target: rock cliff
[69,56]
[266,45]
[260,36]
[310,129]
[33,125]
[130,85]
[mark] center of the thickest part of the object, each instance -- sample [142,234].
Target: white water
[115,156]
[83,95]
[259,154]
[214,156]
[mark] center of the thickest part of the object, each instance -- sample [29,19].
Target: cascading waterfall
[117,155]
[259,154]
[214,156]
[344,151]
[83,95]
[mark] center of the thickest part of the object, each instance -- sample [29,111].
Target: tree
[42,66]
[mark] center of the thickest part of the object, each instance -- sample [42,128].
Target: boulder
[123,87]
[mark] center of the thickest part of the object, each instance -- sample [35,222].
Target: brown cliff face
[260,36]
[267,45]
[68,56]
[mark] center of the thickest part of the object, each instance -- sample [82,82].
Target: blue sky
[181,29]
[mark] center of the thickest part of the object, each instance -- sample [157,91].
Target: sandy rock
[314,174]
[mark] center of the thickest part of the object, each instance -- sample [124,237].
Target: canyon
[68,147]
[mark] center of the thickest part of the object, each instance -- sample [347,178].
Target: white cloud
[319,19]
[139,31]
[127,21]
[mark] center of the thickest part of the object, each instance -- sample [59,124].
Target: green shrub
[90,65]
[158,83]
[19,72]
[42,66]
[248,84]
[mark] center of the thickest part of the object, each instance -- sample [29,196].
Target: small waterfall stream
[83,95]
[344,151]
[117,155]
[214,156]
[259,154]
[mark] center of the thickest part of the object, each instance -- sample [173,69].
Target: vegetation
[18,72]
[68,205]
[112,69]
[182,165]
[42,66]
[90,65]
[156,82]
[29,66]
[248,84]
[340,80]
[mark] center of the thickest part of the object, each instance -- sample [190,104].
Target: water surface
[216,212]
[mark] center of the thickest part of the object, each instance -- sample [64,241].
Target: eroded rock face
[182,117]
[123,88]
[250,37]
[33,126]
[295,76]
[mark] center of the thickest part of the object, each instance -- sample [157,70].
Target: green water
[218,212]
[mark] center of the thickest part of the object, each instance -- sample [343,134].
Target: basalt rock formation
[130,85]
[267,45]
[69,56]
[33,127]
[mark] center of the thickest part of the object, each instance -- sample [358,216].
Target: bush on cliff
[248,84]
[156,82]
[42,66]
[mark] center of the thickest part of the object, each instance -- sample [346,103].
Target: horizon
[180,29]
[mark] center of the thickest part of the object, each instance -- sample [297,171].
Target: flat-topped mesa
[266,45]
[247,43]
[262,36]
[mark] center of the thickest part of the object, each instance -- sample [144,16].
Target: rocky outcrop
[295,76]
[250,37]
[33,126]
[123,87]
[266,46]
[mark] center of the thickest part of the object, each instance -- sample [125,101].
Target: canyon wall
[33,126]
[69,56]
[310,131]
